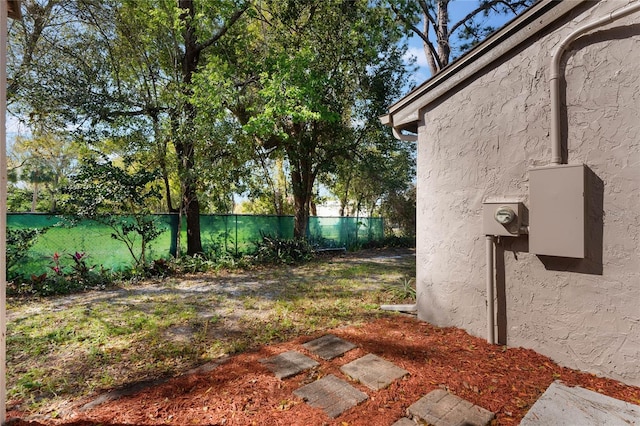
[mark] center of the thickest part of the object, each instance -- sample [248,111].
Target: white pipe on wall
[490,284]
[403,137]
[555,74]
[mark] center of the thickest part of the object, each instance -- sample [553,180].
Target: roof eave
[405,114]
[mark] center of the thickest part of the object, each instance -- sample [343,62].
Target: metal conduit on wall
[555,138]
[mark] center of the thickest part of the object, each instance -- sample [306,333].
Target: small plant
[404,292]
[192,264]
[282,251]
[118,198]
[392,241]
[61,278]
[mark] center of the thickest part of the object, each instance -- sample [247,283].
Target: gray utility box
[557,210]
[491,213]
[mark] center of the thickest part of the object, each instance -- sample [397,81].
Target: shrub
[64,278]
[282,251]
[19,241]
[391,241]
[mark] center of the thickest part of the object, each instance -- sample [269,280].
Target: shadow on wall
[591,264]
[594,223]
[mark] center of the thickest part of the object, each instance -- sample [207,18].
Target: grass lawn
[62,349]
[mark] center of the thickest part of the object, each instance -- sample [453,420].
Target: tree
[123,73]
[267,187]
[430,20]
[119,199]
[378,163]
[305,87]
[400,209]
[44,159]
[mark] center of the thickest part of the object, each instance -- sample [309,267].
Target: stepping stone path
[289,364]
[329,347]
[334,395]
[440,408]
[373,371]
[331,394]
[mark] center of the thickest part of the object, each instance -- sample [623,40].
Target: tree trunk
[302,178]
[34,199]
[444,50]
[433,65]
[189,203]
[185,147]
[301,217]
[192,212]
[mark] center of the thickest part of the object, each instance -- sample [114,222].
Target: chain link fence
[234,234]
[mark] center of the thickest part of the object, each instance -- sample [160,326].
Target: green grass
[65,348]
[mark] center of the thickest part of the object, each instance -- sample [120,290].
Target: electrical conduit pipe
[490,284]
[554,77]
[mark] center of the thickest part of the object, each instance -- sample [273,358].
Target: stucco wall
[477,144]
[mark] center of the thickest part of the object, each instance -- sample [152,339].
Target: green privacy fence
[235,234]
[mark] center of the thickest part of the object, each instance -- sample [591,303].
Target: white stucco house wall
[491,128]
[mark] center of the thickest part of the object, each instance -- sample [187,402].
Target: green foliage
[272,250]
[68,274]
[403,292]
[19,241]
[391,241]
[311,86]
[399,209]
[191,264]
[119,199]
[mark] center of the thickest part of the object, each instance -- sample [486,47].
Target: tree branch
[513,6]
[222,31]
[425,37]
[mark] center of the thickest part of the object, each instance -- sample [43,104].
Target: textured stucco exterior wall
[477,145]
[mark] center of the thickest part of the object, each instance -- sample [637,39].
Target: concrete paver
[373,371]
[331,394]
[288,364]
[440,408]
[404,422]
[329,346]
[562,405]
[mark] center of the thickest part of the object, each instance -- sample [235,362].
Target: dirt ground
[239,390]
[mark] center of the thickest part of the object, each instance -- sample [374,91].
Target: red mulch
[243,392]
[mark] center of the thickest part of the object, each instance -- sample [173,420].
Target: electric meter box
[502,218]
[557,206]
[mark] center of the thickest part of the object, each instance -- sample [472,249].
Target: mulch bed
[242,391]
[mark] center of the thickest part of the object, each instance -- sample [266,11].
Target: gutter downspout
[490,284]
[402,137]
[555,74]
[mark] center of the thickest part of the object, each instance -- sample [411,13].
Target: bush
[64,278]
[282,251]
[19,241]
[391,241]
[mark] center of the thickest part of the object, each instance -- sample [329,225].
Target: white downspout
[402,137]
[490,284]
[554,77]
